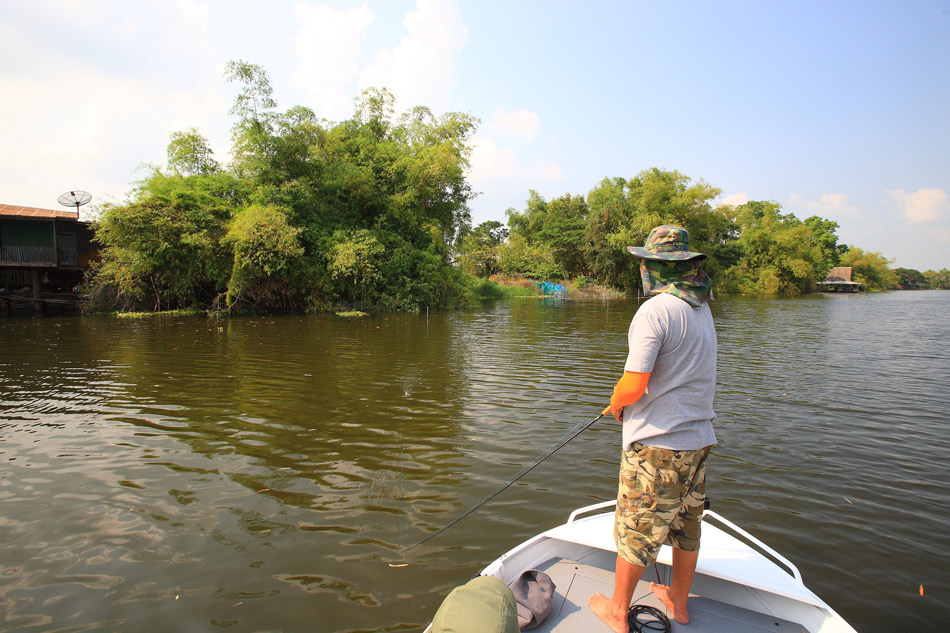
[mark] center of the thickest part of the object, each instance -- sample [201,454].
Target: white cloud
[735,199]
[492,162]
[506,149]
[924,205]
[489,162]
[829,205]
[327,47]
[100,139]
[546,171]
[503,173]
[194,12]
[521,123]
[421,69]
[87,114]
[942,235]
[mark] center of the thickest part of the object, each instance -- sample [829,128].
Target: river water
[261,474]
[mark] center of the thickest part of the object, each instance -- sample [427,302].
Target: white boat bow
[741,584]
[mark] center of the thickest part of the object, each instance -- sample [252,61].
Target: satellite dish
[75,199]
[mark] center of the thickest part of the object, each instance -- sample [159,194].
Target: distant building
[839,280]
[43,255]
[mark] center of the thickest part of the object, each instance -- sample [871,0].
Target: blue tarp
[550,288]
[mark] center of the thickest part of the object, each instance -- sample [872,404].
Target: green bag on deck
[484,604]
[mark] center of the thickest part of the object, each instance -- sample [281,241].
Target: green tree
[871,269]
[431,168]
[295,134]
[938,279]
[355,259]
[778,255]
[559,225]
[910,279]
[529,223]
[376,109]
[405,181]
[163,250]
[535,261]
[252,132]
[623,212]
[265,251]
[609,213]
[824,235]
[190,155]
[254,102]
[308,213]
[564,231]
[478,249]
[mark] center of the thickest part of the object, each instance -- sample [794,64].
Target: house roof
[839,276]
[839,273]
[9,210]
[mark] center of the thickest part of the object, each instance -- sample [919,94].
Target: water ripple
[250,473]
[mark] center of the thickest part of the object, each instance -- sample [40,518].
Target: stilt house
[43,255]
[839,280]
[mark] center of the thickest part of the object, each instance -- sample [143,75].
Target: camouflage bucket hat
[668,243]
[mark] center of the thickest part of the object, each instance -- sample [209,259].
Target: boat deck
[576,581]
[741,584]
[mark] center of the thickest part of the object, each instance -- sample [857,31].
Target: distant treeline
[373,212]
[751,248]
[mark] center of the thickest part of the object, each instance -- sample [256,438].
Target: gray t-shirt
[677,344]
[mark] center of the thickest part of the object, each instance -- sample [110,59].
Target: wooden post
[37,304]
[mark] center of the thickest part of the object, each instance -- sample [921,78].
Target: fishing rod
[524,471]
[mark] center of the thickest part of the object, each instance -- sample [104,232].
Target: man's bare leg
[613,611]
[676,595]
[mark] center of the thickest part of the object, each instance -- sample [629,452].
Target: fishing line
[402,494]
[524,471]
[402,481]
[400,488]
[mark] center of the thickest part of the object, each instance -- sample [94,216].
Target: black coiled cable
[653,619]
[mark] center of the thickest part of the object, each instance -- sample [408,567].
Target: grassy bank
[141,315]
[504,287]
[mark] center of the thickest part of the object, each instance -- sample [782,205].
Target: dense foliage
[752,248]
[870,269]
[373,213]
[938,280]
[780,254]
[308,214]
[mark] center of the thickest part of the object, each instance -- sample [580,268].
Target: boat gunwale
[794,589]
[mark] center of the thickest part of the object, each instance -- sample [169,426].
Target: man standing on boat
[665,401]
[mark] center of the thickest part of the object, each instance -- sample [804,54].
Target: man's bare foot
[680,614]
[604,609]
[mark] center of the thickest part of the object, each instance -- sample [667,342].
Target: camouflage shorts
[661,499]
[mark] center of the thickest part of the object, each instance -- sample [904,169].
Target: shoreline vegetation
[372,214]
[498,287]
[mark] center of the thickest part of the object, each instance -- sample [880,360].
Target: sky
[836,109]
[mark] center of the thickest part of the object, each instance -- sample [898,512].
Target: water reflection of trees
[393,423]
[330,411]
